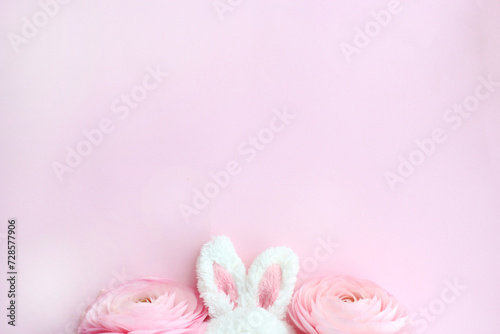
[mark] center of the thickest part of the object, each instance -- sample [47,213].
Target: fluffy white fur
[247,317]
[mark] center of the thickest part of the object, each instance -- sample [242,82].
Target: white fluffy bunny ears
[246,303]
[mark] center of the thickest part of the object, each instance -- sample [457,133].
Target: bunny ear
[271,280]
[221,276]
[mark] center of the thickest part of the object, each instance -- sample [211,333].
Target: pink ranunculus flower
[146,306]
[347,305]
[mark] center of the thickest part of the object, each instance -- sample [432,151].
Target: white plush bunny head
[239,303]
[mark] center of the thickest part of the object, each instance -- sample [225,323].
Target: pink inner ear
[225,283]
[269,286]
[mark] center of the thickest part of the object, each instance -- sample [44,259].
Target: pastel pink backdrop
[117,214]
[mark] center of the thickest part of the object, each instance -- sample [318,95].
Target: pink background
[321,177]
